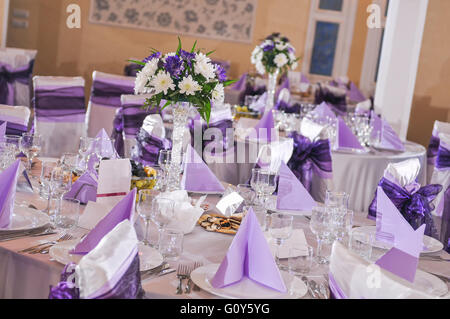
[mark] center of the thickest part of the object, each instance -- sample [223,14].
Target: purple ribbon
[128,287]
[8,76]
[14,128]
[445,225]
[117,133]
[433,148]
[443,157]
[307,156]
[108,94]
[415,205]
[59,102]
[335,291]
[148,147]
[338,102]
[251,90]
[286,108]
[134,116]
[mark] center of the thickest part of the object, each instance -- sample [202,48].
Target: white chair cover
[18,116]
[439,127]
[60,134]
[105,99]
[441,176]
[17,58]
[352,277]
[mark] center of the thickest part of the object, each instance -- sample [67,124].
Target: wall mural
[219,19]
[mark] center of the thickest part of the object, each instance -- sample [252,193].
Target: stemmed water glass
[14,142]
[280,229]
[46,179]
[7,155]
[60,184]
[247,193]
[144,209]
[68,214]
[268,183]
[86,145]
[164,161]
[30,145]
[254,183]
[320,226]
[162,213]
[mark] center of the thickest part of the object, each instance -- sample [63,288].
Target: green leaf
[207,111]
[166,104]
[229,82]
[210,52]
[137,62]
[193,48]
[179,46]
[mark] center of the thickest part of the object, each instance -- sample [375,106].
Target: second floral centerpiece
[181,79]
[273,55]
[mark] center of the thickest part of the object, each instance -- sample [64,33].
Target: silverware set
[161,270]
[433,258]
[29,233]
[44,248]
[315,290]
[184,272]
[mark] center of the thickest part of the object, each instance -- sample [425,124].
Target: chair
[60,113]
[16,118]
[16,68]
[352,277]
[439,127]
[105,100]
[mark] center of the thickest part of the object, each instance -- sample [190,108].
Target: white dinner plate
[431,245]
[430,284]
[349,150]
[149,257]
[25,218]
[246,288]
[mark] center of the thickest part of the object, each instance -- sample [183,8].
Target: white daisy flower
[294,66]
[218,93]
[280,60]
[206,69]
[188,86]
[281,46]
[140,83]
[162,82]
[150,68]
[260,68]
[292,57]
[201,58]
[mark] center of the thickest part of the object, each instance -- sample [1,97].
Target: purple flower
[221,73]
[268,47]
[156,55]
[174,65]
[187,56]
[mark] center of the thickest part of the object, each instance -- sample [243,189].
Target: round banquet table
[359,174]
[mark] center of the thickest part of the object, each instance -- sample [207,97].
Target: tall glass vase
[180,117]
[271,87]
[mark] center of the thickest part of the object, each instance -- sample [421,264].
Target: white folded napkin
[114,181]
[310,129]
[229,202]
[185,214]
[271,155]
[153,125]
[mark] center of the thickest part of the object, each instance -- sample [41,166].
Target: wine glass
[342,224]
[60,184]
[14,142]
[45,181]
[68,214]
[337,202]
[247,193]
[280,229]
[268,183]
[144,209]
[162,212]
[86,145]
[164,160]
[30,145]
[254,183]
[320,226]
[7,155]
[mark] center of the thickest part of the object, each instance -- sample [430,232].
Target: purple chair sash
[308,157]
[433,149]
[128,287]
[415,205]
[287,108]
[117,133]
[338,102]
[445,225]
[14,128]
[251,90]
[59,103]
[8,76]
[443,157]
[108,94]
[148,147]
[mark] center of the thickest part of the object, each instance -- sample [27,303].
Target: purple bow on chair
[433,149]
[309,156]
[339,102]
[286,108]
[413,202]
[251,90]
[109,93]
[59,103]
[117,133]
[148,147]
[442,157]
[9,75]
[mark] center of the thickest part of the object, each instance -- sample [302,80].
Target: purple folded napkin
[197,176]
[2,131]
[354,94]
[240,85]
[345,136]
[323,110]
[123,210]
[304,79]
[8,184]
[392,228]
[390,139]
[249,256]
[265,128]
[84,189]
[292,195]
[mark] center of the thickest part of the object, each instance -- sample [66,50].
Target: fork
[189,283]
[181,274]
[45,249]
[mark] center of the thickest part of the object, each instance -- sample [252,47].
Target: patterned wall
[219,19]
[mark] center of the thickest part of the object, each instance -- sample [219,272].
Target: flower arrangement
[275,52]
[182,76]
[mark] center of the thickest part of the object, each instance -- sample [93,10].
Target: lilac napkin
[392,227]
[345,136]
[323,110]
[292,195]
[123,210]
[354,94]
[197,176]
[249,256]
[2,131]
[240,85]
[267,125]
[104,144]
[8,184]
[84,189]
[376,126]
[390,139]
[304,79]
